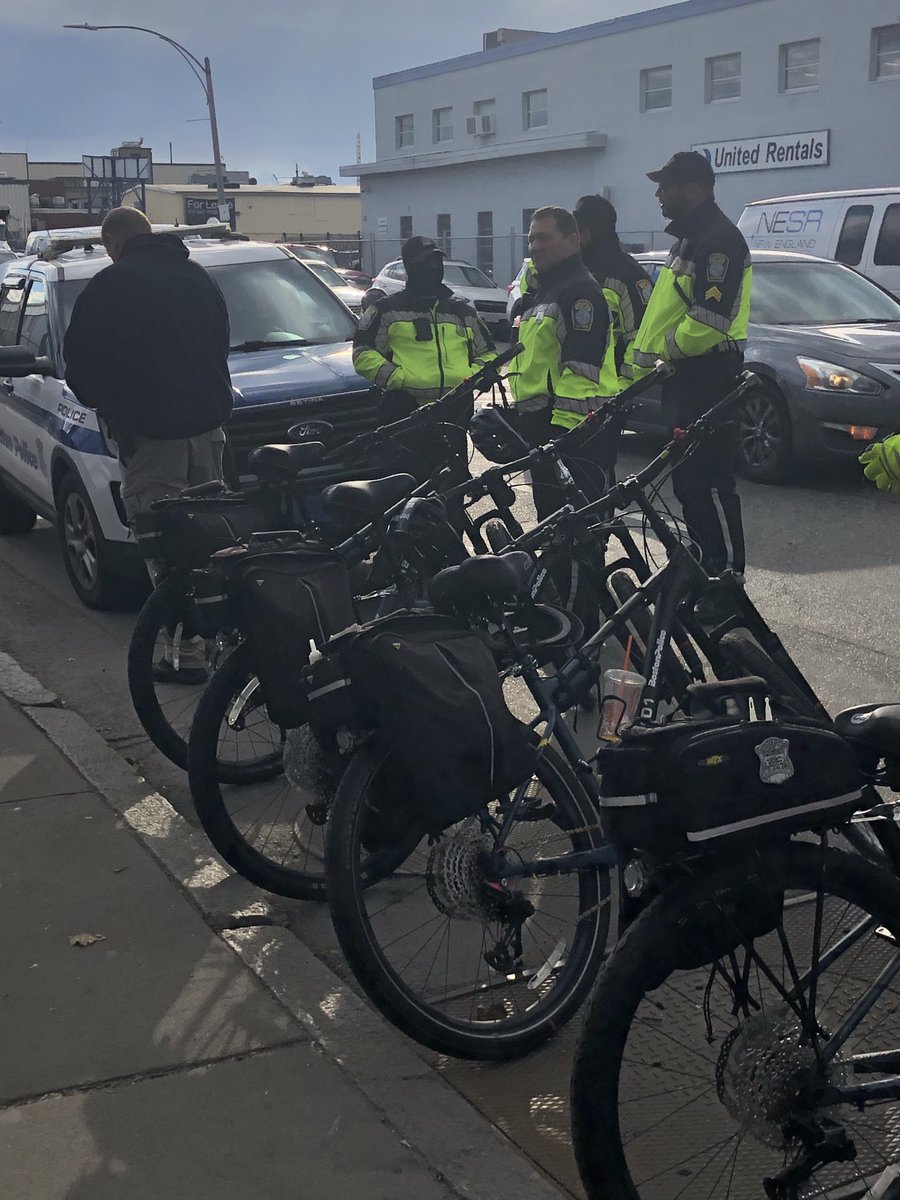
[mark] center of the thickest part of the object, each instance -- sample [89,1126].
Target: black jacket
[630,285]
[147,346]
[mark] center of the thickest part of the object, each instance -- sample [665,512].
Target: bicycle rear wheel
[461,963]
[724,1081]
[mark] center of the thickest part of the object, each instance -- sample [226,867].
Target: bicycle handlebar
[484,378]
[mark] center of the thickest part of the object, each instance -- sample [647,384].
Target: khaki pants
[154,468]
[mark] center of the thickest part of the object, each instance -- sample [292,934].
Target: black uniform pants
[590,456]
[696,386]
[423,451]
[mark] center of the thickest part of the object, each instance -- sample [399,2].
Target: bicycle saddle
[486,576]
[876,726]
[367,498]
[282,463]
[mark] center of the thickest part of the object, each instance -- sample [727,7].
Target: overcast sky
[293,80]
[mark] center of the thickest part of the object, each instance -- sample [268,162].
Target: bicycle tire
[266,844]
[744,656]
[621,1089]
[485,1034]
[167,727]
[676,679]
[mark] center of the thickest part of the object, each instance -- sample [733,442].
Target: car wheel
[90,562]
[15,515]
[764,436]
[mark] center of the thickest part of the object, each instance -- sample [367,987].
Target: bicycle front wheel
[460,962]
[735,1079]
[271,830]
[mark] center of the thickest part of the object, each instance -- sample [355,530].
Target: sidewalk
[152,1063]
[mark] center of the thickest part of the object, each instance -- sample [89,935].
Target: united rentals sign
[768,153]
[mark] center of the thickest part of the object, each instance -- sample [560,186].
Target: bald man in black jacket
[147,347]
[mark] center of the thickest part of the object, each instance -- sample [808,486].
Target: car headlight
[829,377]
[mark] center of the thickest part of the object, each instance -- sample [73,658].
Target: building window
[403,128]
[656,88]
[853,234]
[443,232]
[800,65]
[405,228]
[534,109]
[442,124]
[886,52]
[723,78]
[485,243]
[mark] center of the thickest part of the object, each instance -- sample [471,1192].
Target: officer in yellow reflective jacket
[567,366]
[696,321]
[625,283]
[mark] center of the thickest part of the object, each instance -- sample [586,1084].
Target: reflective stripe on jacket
[627,288]
[421,345]
[701,300]
[568,360]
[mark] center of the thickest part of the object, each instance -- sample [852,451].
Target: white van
[861,229]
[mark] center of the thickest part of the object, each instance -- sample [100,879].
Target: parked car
[465,281]
[826,343]
[290,359]
[351,296]
[860,229]
[334,259]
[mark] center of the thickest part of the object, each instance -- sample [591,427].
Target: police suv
[290,361]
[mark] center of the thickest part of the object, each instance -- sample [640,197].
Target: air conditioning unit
[481,126]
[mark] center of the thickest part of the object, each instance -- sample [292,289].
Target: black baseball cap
[685,166]
[418,250]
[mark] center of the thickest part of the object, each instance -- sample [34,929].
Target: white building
[786,95]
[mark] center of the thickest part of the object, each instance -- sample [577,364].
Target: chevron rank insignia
[713,293]
[583,315]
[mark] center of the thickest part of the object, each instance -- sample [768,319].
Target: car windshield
[805,293]
[327,274]
[466,276]
[269,301]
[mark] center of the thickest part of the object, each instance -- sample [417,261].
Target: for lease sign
[768,153]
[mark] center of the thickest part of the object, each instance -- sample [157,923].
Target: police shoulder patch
[368,317]
[644,287]
[716,267]
[582,315]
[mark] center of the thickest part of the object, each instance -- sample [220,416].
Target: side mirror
[306,430]
[16,363]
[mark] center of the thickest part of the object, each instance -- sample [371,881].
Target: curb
[467,1152]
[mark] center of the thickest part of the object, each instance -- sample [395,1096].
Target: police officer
[625,283]
[567,365]
[696,320]
[418,344]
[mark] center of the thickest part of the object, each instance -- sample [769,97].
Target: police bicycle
[181,533]
[490,935]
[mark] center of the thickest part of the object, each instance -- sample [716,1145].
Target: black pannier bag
[701,785]
[432,688]
[185,531]
[283,600]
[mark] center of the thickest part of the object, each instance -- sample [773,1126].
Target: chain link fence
[499,256]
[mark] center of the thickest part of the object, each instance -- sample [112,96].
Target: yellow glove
[882,464]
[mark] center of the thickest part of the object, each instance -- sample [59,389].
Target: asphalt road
[823,566]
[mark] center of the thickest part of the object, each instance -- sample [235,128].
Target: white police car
[55,460]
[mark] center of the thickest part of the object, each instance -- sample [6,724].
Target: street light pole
[203,71]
